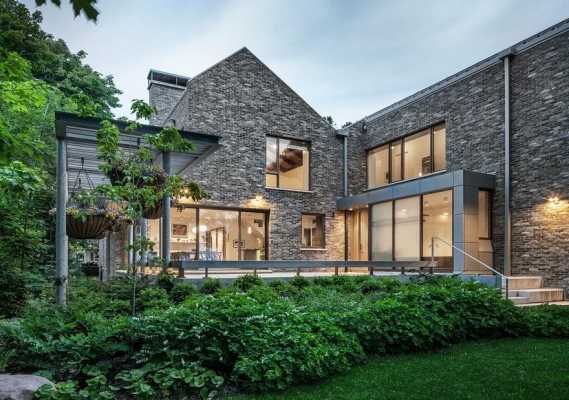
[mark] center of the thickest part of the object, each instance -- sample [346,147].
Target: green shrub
[246,282]
[154,297]
[182,291]
[210,286]
[254,337]
[547,321]
[165,281]
[300,282]
[13,293]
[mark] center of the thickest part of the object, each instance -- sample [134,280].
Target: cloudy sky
[347,58]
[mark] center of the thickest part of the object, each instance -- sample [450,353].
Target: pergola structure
[76,152]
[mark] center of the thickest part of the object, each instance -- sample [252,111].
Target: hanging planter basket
[92,227]
[154,212]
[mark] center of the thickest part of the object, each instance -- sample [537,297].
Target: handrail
[501,275]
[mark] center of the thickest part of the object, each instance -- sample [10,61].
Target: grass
[498,369]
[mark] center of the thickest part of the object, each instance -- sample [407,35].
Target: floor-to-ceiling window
[407,229]
[214,234]
[358,235]
[382,231]
[399,233]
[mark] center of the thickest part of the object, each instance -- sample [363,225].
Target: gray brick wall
[163,97]
[540,161]
[242,100]
[474,113]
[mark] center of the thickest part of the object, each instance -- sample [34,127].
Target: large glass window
[358,235]
[411,157]
[213,234]
[312,231]
[417,159]
[439,147]
[382,231]
[287,164]
[408,229]
[437,223]
[378,167]
[252,236]
[396,161]
[484,230]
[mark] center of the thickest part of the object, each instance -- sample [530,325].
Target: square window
[287,164]
[313,231]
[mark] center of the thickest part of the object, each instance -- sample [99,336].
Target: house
[472,171]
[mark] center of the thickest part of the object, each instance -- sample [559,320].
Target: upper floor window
[287,164]
[411,157]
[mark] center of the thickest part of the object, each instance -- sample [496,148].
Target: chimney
[164,91]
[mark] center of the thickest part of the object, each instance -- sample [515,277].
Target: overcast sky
[346,58]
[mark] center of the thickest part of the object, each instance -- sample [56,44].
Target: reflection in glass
[313,231]
[437,222]
[439,147]
[219,235]
[382,231]
[183,234]
[396,161]
[407,229]
[252,236]
[417,160]
[378,167]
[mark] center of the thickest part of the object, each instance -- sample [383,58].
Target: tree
[329,120]
[346,124]
[86,7]
[52,62]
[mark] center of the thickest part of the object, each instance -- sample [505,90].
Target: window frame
[278,139]
[401,140]
[490,216]
[323,216]
[422,256]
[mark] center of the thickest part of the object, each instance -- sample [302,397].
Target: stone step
[525,282]
[537,295]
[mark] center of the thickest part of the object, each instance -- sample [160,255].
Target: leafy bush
[253,336]
[210,286]
[13,293]
[165,281]
[246,282]
[182,291]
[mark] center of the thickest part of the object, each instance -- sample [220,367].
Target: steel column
[507,185]
[167,216]
[61,244]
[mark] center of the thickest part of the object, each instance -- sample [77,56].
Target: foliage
[246,282]
[13,293]
[210,286]
[79,6]
[52,62]
[250,335]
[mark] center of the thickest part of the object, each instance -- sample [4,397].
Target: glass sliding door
[408,229]
[382,231]
[358,235]
[252,240]
[183,234]
[437,223]
[218,234]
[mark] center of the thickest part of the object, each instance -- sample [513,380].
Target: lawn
[499,369]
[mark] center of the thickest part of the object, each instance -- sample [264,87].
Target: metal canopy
[80,137]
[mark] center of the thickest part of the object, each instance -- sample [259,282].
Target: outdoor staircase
[527,291]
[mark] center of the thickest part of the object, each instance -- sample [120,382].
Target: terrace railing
[502,279]
[303,265]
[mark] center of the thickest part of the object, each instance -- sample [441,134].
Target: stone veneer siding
[540,161]
[473,110]
[163,98]
[243,101]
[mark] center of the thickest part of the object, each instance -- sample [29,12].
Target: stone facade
[163,97]
[473,110]
[241,100]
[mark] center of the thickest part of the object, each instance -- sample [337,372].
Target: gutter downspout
[345,166]
[507,182]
